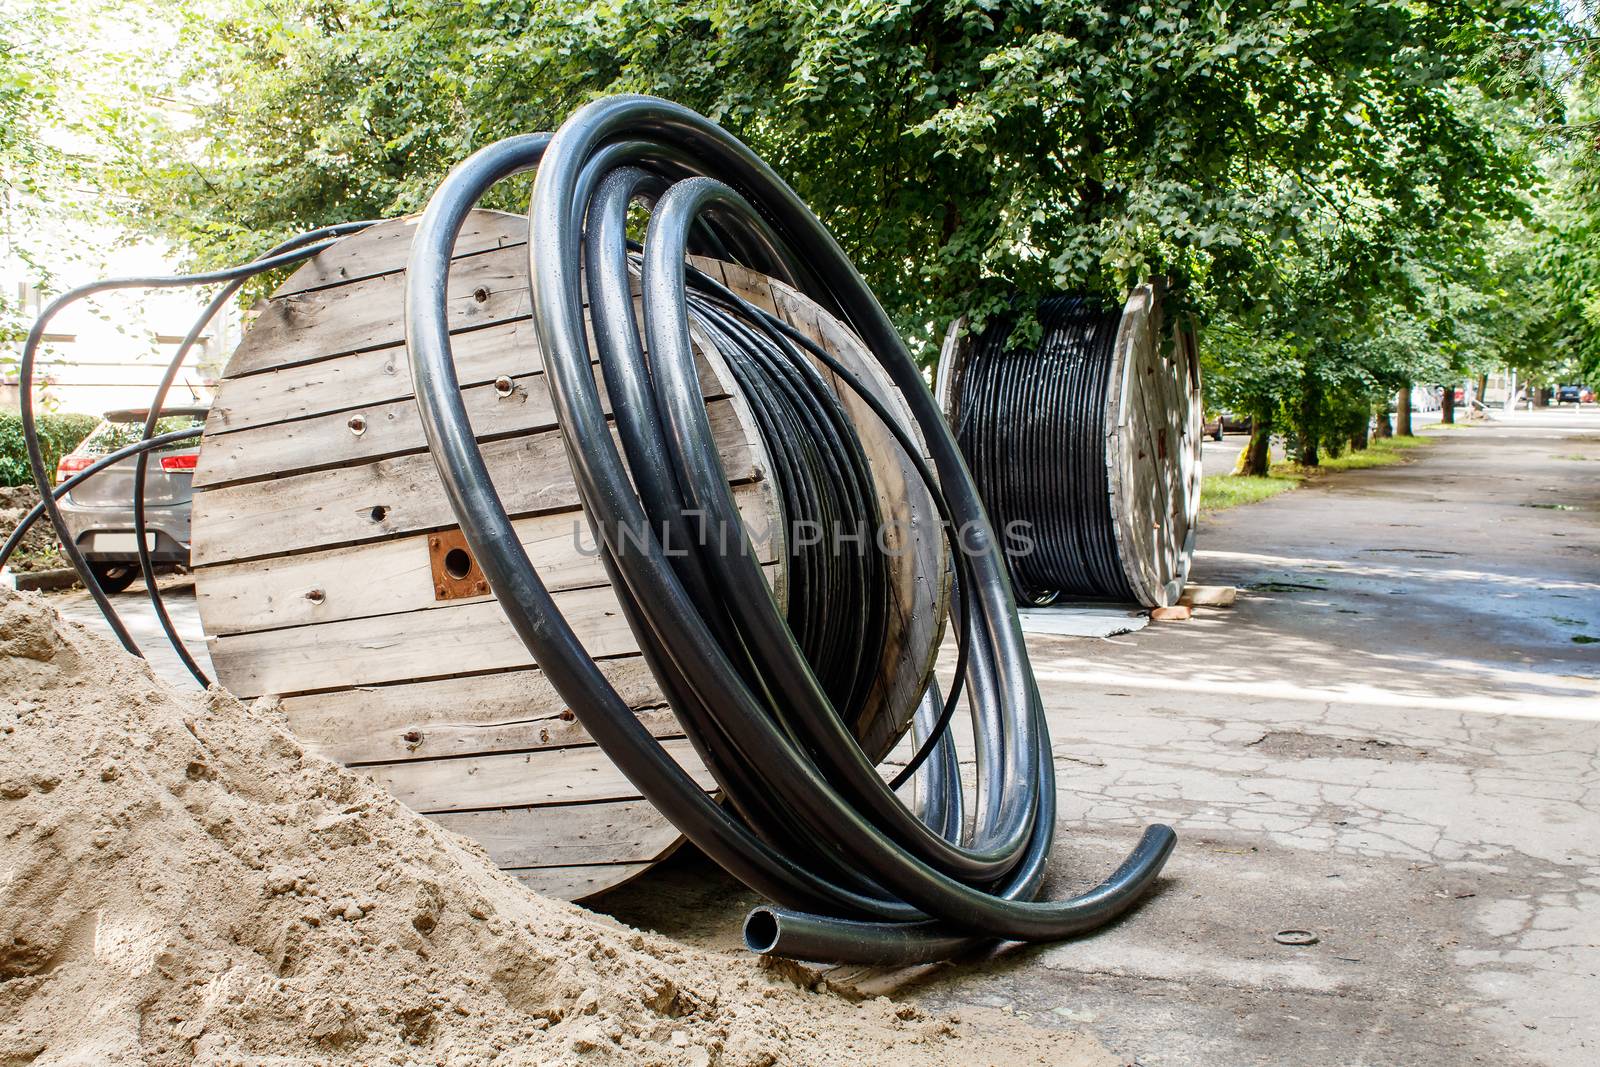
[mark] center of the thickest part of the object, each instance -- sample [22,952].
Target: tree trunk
[1256,459]
[1447,405]
[1358,440]
[1306,448]
[1402,412]
[1309,454]
[1381,426]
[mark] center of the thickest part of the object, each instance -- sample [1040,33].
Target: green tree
[29,164]
[962,153]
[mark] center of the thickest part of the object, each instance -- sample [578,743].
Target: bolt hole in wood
[378,514]
[457,564]
[456,573]
[504,387]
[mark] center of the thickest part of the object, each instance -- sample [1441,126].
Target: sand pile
[180,882]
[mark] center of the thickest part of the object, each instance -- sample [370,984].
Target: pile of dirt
[180,881]
[39,550]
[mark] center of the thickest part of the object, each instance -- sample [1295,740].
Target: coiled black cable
[1031,420]
[300,247]
[855,874]
[838,592]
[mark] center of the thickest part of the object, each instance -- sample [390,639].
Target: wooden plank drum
[331,575]
[1085,445]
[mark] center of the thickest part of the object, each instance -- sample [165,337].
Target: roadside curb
[39,581]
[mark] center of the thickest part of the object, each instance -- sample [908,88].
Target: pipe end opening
[761,931]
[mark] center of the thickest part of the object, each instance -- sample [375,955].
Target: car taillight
[184,462]
[70,465]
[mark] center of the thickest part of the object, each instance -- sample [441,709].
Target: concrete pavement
[139,616]
[1393,741]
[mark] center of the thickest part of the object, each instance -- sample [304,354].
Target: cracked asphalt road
[1393,741]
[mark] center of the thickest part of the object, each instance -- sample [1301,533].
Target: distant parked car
[1225,421]
[1569,394]
[99,513]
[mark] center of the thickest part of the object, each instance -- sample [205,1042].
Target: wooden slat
[394,576]
[461,716]
[484,289]
[607,832]
[374,377]
[1128,460]
[578,883]
[456,638]
[379,500]
[389,429]
[1151,436]
[386,249]
[557,776]
[373,382]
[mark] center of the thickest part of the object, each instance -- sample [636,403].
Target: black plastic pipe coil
[854,873]
[1031,422]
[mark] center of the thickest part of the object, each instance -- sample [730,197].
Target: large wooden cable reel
[330,573]
[1152,422]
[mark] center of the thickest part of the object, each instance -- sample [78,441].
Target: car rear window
[110,436]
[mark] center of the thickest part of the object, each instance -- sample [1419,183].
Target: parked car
[1225,421]
[99,513]
[1569,394]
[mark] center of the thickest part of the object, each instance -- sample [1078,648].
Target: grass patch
[1218,492]
[1380,452]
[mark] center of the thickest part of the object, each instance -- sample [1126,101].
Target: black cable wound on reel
[1030,426]
[1085,445]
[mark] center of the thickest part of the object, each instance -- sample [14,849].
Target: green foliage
[960,152]
[1352,194]
[27,93]
[1382,452]
[58,435]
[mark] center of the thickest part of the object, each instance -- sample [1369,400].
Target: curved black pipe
[295,249]
[818,835]
[770,930]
